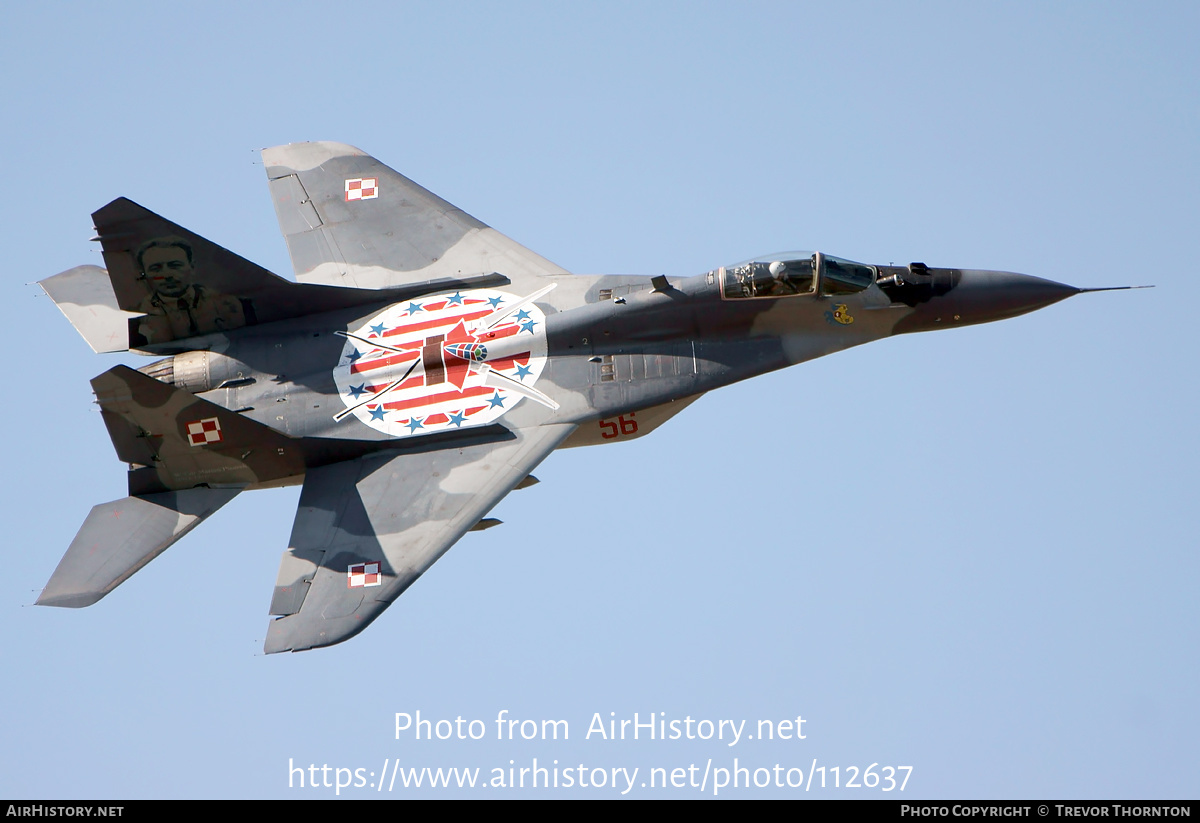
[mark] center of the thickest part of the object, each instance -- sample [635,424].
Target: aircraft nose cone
[967,296]
[995,295]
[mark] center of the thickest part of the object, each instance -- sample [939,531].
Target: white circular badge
[443,362]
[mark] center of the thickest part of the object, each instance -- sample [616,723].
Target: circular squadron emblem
[444,362]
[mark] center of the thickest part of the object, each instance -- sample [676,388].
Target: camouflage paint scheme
[396,379]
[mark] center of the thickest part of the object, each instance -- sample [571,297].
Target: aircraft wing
[367,528]
[349,220]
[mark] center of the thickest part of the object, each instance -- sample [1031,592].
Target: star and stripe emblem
[443,362]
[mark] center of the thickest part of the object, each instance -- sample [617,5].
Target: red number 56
[622,425]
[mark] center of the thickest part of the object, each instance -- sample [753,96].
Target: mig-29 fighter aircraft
[420,369]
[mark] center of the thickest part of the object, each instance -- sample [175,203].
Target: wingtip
[293,157]
[69,600]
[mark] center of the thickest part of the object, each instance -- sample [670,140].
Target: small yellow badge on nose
[840,314]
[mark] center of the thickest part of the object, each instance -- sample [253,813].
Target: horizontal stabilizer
[85,295]
[120,537]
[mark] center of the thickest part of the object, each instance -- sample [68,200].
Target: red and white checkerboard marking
[362,575]
[203,432]
[362,188]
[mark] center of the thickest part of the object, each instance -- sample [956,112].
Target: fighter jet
[419,370]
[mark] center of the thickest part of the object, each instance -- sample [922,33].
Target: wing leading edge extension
[349,220]
[367,528]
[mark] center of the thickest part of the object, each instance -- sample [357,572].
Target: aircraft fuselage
[614,345]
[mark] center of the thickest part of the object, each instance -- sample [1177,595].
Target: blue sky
[973,552]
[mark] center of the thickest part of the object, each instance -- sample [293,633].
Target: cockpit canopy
[785,274]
